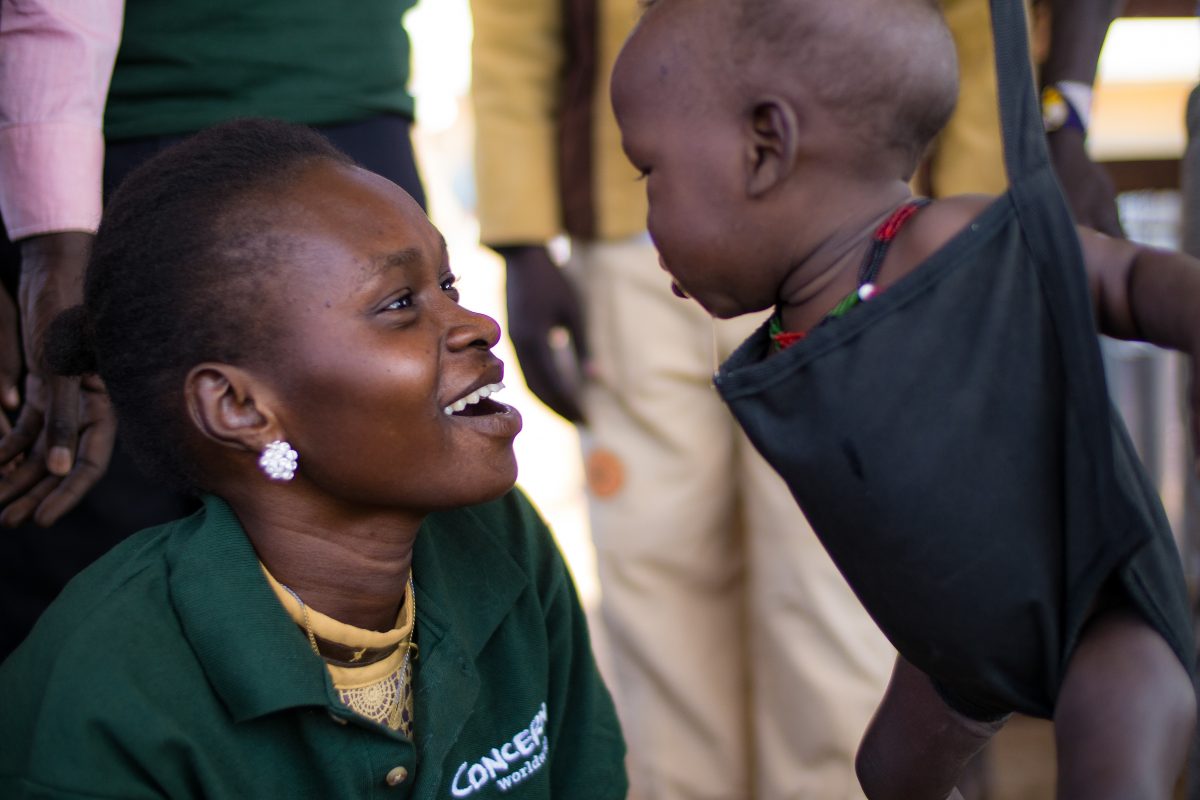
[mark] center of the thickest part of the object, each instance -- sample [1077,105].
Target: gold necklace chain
[407,644]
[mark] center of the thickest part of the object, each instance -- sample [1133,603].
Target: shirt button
[396,776]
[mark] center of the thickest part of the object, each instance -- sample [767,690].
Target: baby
[930,386]
[365,606]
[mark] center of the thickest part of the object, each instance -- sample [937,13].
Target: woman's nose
[474,330]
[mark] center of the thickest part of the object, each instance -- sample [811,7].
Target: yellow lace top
[381,691]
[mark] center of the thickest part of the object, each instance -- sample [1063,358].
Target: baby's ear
[772,144]
[230,407]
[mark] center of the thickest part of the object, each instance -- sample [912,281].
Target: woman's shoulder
[111,627]
[104,616]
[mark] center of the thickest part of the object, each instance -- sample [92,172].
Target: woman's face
[374,349]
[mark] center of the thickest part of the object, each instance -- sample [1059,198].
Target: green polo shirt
[169,669]
[186,64]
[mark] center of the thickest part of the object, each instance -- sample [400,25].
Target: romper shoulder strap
[1020,115]
[1050,237]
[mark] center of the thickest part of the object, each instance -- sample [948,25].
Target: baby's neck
[829,272]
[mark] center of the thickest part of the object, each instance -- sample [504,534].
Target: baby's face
[377,350]
[691,154]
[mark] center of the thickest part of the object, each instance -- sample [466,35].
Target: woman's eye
[406,300]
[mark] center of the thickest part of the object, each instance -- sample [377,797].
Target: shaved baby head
[885,70]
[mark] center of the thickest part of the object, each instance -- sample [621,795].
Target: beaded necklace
[867,272]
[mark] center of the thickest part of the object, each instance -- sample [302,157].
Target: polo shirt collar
[466,580]
[253,654]
[251,651]
[467,584]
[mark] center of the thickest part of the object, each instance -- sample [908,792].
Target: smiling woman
[279,330]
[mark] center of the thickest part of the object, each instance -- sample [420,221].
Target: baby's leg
[916,746]
[1124,715]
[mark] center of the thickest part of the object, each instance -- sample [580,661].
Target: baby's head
[759,123]
[253,284]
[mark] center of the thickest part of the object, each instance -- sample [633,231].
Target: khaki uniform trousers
[744,666]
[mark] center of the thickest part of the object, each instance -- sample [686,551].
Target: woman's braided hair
[183,250]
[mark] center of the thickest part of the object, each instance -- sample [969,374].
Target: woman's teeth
[473,398]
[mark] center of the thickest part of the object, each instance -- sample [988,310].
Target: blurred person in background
[67,139]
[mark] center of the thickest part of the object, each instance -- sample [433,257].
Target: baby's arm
[1147,294]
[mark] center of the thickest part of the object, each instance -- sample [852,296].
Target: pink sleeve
[56,61]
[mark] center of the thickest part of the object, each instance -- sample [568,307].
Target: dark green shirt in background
[169,669]
[187,64]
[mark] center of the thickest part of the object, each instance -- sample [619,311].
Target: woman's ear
[773,142]
[229,407]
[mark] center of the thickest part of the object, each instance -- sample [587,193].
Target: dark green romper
[954,447]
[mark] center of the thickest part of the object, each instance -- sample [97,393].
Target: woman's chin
[495,485]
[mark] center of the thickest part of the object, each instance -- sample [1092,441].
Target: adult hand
[545,323]
[10,359]
[30,489]
[1088,188]
[63,438]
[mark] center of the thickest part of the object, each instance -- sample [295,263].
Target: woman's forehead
[337,229]
[358,210]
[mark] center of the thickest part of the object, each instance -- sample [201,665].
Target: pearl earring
[278,461]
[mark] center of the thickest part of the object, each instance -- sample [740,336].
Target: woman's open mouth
[496,419]
[477,404]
